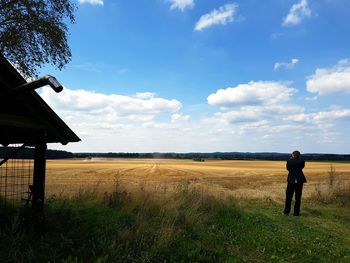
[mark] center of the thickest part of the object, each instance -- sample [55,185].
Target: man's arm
[287,166]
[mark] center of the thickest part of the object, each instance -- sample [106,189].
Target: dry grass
[253,179]
[336,189]
[177,211]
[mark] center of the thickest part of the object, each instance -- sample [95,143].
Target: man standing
[295,180]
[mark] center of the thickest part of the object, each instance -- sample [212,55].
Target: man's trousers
[291,189]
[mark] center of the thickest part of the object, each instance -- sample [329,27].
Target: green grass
[186,226]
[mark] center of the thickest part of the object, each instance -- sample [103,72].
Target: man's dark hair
[296,154]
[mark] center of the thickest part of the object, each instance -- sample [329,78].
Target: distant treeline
[218,155]
[56,154]
[28,153]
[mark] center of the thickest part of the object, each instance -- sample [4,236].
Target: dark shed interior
[26,121]
[24,115]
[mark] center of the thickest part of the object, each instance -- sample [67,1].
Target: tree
[34,32]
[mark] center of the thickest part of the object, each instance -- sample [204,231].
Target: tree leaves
[34,32]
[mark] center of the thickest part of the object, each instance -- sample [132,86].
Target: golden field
[222,178]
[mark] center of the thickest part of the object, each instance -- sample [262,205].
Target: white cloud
[259,112]
[297,13]
[117,122]
[252,93]
[301,117]
[254,108]
[92,2]
[97,114]
[121,105]
[177,121]
[322,116]
[222,15]
[181,4]
[176,117]
[330,81]
[343,114]
[240,116]
[286,65]
[145,95]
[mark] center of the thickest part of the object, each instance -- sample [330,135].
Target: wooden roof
[24,116]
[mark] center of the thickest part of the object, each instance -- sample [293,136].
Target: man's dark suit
[295,180]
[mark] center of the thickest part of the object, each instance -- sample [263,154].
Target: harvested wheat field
[223,178]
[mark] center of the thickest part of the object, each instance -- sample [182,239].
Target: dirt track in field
[239,178]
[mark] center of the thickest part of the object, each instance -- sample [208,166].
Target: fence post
[39,176]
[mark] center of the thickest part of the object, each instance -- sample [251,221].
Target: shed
[26,121]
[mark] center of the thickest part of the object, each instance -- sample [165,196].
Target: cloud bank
[267,113]
[88,111]
[252,116]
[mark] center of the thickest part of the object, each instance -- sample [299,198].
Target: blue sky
[204,75]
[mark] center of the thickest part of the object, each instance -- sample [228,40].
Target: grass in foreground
[185,226]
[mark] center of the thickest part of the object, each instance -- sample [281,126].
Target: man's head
[296,154]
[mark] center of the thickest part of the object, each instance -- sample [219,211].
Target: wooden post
[39,176]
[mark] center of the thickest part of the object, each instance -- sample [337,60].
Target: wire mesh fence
[16,175]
